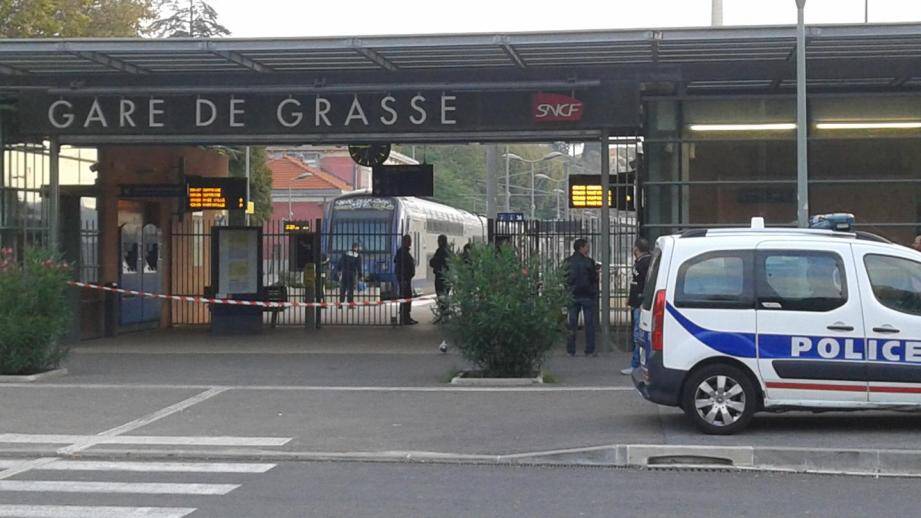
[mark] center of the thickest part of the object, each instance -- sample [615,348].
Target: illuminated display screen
[585,192]
[215,193]
[297,226]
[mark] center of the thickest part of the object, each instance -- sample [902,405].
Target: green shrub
[504,315]
[34,312]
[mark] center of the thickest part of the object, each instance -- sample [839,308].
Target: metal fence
[552,242]
[191,273]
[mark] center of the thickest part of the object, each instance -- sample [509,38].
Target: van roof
[782,232]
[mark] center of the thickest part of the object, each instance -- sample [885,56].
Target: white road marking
[143,421]
[156,467]
[19,438]
[26,465]
[333,388]
[74,511]
[146,488]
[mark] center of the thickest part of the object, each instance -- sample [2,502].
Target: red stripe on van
[816,386]
[843,388]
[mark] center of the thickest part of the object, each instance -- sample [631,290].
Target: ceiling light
[773,126]
[868,125]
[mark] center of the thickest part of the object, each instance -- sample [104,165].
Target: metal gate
[191,273]
[23,208]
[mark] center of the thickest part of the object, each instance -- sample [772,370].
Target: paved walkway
[366,392]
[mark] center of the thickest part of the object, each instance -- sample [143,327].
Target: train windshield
[368,221]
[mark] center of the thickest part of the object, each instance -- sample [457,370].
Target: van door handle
[837,326]
[886,330]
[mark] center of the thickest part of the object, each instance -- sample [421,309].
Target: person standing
[405,267]
[349,272]
[582,281]
[439,264]
[641,260]
[917,243]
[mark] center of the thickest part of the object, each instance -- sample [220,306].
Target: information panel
[236,253]
[585,192]
[403,180]
[205,193]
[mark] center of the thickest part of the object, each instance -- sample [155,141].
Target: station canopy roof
[695,60]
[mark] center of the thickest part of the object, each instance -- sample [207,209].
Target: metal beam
[511,52]
[108,61]
[374,56]
[12,71]
[239,59]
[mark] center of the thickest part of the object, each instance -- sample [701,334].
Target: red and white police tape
[257,303]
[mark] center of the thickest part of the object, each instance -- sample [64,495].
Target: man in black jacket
[405,268]
[439,264]
[582,280]
[641,260]
[349,273]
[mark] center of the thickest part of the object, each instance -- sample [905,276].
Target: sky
[302,18]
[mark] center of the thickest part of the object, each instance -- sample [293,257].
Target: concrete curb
[33,377]
[462,379]
[870,462]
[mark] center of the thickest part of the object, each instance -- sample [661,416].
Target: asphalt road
[401,490]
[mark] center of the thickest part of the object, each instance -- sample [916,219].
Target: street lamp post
[290,207]
[802,175]
[549,156]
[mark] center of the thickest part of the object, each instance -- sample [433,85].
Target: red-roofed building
[299,191]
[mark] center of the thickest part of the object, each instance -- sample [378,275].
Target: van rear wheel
[719,399]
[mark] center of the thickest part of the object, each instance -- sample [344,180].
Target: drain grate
[685,460]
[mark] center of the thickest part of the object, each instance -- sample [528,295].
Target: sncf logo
[556,108]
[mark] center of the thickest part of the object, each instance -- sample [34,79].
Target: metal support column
[492,179]
[508,192]
[605,243]
[54,195]
[802,164]
[246,217]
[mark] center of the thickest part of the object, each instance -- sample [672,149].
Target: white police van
[736,321]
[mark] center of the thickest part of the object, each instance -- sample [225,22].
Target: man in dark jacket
[405,268]
[349,271]
[582,280]
[641,260]
[439,264]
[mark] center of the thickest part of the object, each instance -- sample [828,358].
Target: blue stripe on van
[740,345]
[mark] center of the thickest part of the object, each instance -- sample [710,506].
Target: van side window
[651,276]
[793,280]
[896,282]
[718,280]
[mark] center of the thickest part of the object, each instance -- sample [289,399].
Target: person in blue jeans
[641,260]
[582,281]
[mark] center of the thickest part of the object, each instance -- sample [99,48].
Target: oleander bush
[34,311]
[504,314]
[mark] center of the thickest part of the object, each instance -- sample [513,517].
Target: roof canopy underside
[708,60]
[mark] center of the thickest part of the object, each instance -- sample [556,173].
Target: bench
[275,294]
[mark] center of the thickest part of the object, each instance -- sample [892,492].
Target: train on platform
[378,223]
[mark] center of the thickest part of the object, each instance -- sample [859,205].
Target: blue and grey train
[377,224]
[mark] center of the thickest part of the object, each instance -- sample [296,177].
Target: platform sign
[510,216]
[206,193]
[403,180]
[585,192]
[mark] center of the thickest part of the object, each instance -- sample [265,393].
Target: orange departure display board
[585,192]
[204,193]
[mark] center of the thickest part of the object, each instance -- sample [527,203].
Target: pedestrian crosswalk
[29,482]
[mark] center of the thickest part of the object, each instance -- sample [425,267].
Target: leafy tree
[74,18]
[260,179]
[187,19]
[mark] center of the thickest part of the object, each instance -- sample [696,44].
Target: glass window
[896,282]
[716,280]
[801,281]
[651,277]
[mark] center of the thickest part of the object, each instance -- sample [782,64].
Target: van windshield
[651,276]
